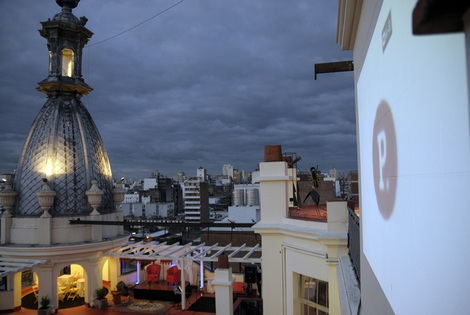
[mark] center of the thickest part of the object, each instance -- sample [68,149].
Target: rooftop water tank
[252,197]
[238,197]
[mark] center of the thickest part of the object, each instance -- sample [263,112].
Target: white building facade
[304,262]
[411,75]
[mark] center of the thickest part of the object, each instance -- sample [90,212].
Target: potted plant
[101,302]
[45,308]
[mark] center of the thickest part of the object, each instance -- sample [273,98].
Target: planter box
[44,311]
[100,304]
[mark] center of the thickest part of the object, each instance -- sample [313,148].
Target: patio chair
[72,293]
[35,292]
[173,275]
[153,273]
[61,294]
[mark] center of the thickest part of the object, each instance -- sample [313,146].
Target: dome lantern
[66,36]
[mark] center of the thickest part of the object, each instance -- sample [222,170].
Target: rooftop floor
[173,310]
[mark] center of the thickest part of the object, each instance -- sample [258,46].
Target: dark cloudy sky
[206,83]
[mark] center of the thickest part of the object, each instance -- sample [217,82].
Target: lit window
[313,296]
[27,278]
[50,61]
[128,266]
[67,62]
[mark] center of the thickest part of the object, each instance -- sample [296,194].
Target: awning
[14,265]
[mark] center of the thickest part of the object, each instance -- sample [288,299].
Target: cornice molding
[47,252]
[349,13]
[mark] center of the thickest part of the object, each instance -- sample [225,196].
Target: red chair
[173,275]
[238,288]
[153,273]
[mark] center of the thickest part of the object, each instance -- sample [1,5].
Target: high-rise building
[227,170]
[201,173]
[180,177]
[196,200]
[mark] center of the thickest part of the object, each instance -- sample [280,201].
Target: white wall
[126,209]
[151,209]
[150,183]
[131,198]
[416,247]
[145,200]
[244,214]
[165,208]
[137,209]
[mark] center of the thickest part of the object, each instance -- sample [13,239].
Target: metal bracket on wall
[329,67]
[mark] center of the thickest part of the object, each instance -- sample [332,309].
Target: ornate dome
[65,147]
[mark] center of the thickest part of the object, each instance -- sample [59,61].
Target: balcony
[191,202]
[309,213]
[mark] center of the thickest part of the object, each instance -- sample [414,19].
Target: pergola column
[222,282]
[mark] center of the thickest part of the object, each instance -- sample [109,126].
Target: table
[63,286]
[81,287]
[62,280]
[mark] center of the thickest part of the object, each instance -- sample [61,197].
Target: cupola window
[67,62]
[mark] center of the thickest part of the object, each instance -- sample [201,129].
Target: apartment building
[196,200]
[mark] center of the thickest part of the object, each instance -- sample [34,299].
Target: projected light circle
[385,163]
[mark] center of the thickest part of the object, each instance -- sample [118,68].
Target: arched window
[67,62]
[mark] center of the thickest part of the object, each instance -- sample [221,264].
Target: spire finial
[67,4]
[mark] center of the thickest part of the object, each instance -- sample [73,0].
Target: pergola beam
[221,251]
[167,252]
[14,265]
[178,249]
[153,223]
[251,252]
[206,250]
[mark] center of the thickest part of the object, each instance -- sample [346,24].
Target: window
[3,283]
[67,270]
[128,266]
[27,278]
[313,296]
[67,62]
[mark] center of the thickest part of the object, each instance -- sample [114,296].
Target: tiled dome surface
[65,147]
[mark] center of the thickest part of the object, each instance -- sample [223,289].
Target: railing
[354,241]
[308,213]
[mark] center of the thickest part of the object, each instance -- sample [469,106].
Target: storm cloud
[206,83]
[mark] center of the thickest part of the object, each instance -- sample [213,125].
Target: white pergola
[182,254]
[14,265]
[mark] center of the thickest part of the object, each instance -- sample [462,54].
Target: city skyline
[203,84]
